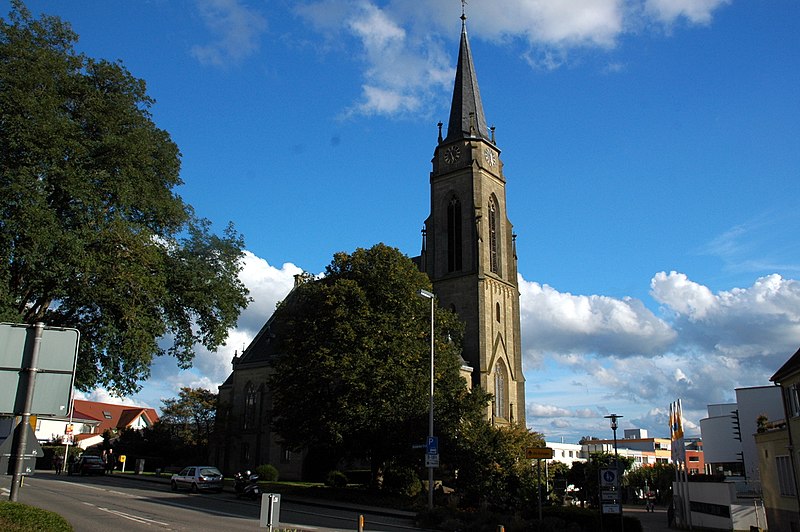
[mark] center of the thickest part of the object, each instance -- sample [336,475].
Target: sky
[651,150]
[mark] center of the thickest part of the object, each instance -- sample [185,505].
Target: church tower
[468,246]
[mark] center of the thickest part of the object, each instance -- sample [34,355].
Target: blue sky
[651,150]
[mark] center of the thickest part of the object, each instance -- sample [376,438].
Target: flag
[676,431]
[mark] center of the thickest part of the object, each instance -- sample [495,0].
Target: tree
[92,233]
[190,416]
[353,377]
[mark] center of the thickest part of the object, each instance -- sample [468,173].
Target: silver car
[198,478]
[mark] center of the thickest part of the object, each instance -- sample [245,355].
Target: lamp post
[429,295]
[614,418]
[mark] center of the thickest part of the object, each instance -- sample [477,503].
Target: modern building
[468,252]
[635,444]
[567,453]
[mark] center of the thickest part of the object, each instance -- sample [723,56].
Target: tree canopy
[92,232]
[355,372]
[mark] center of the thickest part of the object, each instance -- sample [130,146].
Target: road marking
[131,517]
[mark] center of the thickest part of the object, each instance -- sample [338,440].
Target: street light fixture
[429,295]
[614,418]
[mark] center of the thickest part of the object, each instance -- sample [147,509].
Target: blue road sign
[433,445]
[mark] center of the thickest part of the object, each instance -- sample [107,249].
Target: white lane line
[131,517]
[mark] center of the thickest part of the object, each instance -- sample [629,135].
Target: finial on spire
[463,11]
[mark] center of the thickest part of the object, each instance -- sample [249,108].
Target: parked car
[89,464]
[198,478]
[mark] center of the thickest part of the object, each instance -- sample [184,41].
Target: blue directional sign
[433,445]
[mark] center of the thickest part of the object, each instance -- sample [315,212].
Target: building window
[785,477]
[793,393]
[249,406]
[500,390]
[454,241]
[286,455]
[497,312]
[494,260]
[245,453]
[107,414]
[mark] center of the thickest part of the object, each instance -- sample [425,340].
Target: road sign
[609,495]
[540,453]
[433,445]
[608,478]
[31,452]
[431,459]
[612,509]
[57,356]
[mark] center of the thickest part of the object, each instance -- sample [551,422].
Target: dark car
[198,478]
[89,465]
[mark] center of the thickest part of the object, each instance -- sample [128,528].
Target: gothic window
[497,312]
[249,406]
[494,259]
[454,242]
[500,390]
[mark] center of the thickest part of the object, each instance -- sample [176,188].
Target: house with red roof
[91,419]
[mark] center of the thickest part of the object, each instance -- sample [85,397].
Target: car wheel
[174,486]
[194,487]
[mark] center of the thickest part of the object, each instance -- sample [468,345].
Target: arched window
[494,258]
[249,406]
[500,390]
[454,243]
[497,312]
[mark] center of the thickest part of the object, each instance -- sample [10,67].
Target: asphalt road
[119,502]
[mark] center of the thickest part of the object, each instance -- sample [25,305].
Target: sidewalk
[655,521]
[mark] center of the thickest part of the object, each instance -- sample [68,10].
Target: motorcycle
[245,484]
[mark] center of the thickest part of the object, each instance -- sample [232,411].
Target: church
[468,252]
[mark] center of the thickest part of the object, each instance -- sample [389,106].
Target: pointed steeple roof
[466,111]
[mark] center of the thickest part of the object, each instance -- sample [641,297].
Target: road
[122,503]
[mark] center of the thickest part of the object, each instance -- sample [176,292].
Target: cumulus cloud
[564,323]
[236,29]
[711,344]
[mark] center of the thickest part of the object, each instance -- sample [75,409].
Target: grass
[18,517]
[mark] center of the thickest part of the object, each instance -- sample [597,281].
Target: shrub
[267,472]
[336,479]
[402,480]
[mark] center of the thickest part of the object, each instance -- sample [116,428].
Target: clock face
[452,154]
[490,157]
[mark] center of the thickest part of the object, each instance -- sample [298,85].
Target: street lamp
[429,295]
[614,418]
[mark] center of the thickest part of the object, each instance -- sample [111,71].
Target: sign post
[31,353]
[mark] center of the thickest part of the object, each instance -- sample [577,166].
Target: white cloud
[236,29]
[101,395]
[682,295]
[695,11]
[564,323]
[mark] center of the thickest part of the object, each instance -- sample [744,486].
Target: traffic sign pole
[21,439]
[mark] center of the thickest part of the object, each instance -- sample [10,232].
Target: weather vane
[463,9]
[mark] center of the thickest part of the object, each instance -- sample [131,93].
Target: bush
[267,472]
[17,517]
[336,479]
[402,480]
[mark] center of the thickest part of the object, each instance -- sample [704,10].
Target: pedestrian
[110,461]
[58,463]
[70,463]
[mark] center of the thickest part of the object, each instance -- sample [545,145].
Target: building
[567,453]
[468,252]
[91,419]
[468,247]
[778,457]
[727,432]
[635,444]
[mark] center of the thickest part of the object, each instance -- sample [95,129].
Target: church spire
[466,111]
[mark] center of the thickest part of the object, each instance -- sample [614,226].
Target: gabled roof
[113,416]
[466,111]
[790,367]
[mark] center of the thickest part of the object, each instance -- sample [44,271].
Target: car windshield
[210,472]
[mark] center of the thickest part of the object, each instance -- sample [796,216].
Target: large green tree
[354,377]
[92,232]
[190,416]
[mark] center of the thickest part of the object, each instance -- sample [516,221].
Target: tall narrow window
[249,406]
[500,390]
[494,261]
[454,243]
